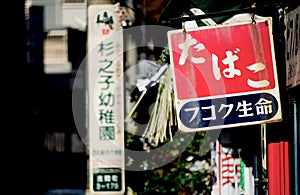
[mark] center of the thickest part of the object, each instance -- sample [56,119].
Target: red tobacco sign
[231,61]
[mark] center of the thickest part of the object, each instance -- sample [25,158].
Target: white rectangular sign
[105,101]
[292,47]
[230,175]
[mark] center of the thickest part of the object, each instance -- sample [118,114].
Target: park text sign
[225,75]
[105,101]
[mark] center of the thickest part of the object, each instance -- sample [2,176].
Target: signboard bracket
[220,13]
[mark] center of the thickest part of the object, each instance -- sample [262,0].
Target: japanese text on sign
[225,75]
[230,62]
[105,100]
[107,179]
[292,47]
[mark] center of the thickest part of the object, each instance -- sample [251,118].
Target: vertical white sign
[226,171]
[292,47]
[105,101]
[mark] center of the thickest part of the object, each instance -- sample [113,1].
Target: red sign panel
[222,60]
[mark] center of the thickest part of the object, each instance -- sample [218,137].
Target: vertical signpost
[105,101]
[225,75]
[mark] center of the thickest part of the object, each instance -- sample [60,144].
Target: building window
[56,52]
